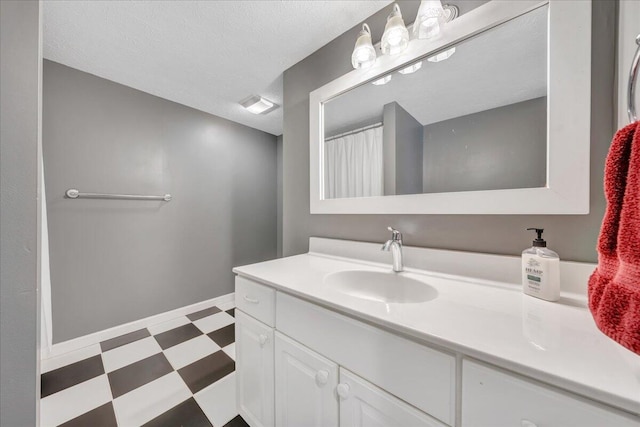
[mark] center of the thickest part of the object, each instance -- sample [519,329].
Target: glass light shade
[395,38]
[442,55]
[411,68]
[382,81]
[364,54]
[429,21]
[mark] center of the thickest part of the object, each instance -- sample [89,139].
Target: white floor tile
[170,324]
[127,354]
[214,322]
[218,401]
[67,404]
[227,305]
[189,351]
[230,350]
[147,402]
[47,365]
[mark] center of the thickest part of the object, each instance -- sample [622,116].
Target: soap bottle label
[534,275]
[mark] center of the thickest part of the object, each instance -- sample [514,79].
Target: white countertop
[557,343]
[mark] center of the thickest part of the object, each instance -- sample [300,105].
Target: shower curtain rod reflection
[351,132]
[72,193]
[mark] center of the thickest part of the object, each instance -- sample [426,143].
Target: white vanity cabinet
[304,365]
[305,386]
[493,398]
[301,364]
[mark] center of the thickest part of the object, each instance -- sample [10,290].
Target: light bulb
[411,68]
[442,55]
[383,81]
[429,21]
[395,38]
[364,55]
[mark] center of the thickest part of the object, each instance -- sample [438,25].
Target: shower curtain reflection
[354,165]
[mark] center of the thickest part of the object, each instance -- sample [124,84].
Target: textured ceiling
[505,65]
[204,54]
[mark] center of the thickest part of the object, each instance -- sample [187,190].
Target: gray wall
[407,141]
[402,151]
[573,236]
[501,148]
[19,122]
[115,261]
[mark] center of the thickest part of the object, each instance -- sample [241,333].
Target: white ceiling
[503,66]
[204,54]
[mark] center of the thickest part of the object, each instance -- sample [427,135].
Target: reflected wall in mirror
[473,117]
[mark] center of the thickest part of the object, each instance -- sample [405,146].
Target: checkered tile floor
[177,373]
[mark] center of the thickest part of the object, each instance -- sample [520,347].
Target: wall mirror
[493,117]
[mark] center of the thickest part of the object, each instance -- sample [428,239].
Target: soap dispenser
[541,270]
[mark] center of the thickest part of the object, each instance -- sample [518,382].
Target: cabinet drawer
[492,398]
[256,300]
[417,374]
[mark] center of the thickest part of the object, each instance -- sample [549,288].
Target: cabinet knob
[343,390]
[527,423]
[263,339]
[322,377]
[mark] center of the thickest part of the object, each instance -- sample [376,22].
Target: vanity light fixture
[431,16]
[442,55]
[382,81]
[364,54]
[395,38]
[411,68]
[258,105]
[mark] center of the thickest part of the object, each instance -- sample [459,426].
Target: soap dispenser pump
[541,269]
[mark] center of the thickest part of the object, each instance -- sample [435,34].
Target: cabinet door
[254,371]
[492,398]
[305,386]
[363,404]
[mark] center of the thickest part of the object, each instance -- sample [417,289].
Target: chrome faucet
[395,246]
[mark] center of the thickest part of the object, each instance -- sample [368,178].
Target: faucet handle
[396,235]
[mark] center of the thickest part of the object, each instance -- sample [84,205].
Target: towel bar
[72,193]
[633,78]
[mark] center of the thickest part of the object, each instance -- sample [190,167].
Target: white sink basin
[382,287]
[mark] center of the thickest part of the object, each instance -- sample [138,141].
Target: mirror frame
[568,120]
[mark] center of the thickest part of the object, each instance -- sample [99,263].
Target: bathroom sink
[388,287]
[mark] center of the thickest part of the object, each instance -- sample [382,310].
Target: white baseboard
[116,331]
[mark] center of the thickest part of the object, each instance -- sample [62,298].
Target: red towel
[614,287]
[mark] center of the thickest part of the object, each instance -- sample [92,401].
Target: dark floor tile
[237,422]
[70,375]
[224,336]
[232,311]
[186,414]
[138,374]
[203,313]
[207,370]
[102,416]
[177,335]
[124,339]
